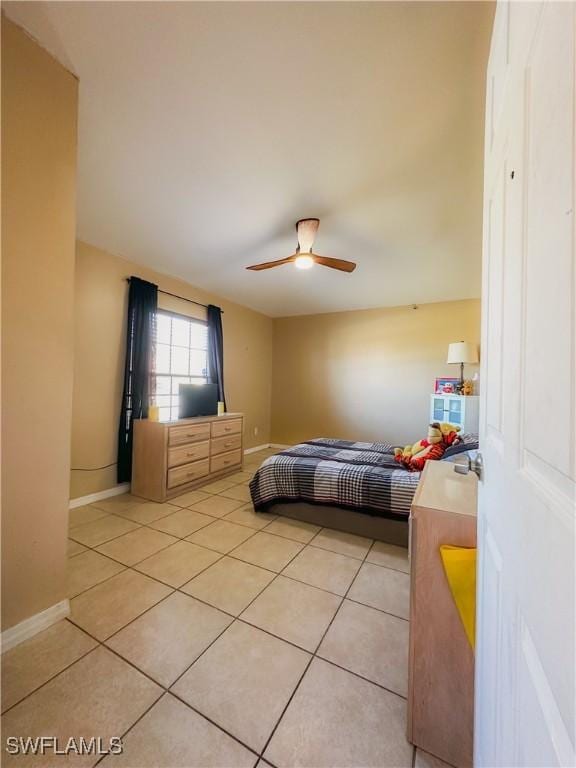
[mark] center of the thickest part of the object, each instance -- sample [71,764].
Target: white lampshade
[462,352]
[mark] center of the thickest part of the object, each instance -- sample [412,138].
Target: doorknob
[475,465]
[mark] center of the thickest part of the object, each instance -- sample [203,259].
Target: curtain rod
[182,298]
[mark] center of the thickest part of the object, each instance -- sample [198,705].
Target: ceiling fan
[304,258]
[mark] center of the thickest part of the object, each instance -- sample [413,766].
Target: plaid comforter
[360,476]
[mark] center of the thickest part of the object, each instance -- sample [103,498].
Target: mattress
[353,475]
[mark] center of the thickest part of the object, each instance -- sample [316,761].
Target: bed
[352,486]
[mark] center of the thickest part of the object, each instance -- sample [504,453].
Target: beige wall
[360,375]
[39,108]
[364,375]
[101,305]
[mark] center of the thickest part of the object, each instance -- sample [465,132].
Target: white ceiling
[207,129]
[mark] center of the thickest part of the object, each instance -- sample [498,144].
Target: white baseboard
[37,623]
[92,497]
[256,448]
[280,446]
[125,487]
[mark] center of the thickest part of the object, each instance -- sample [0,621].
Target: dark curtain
[216,350]
[140,340]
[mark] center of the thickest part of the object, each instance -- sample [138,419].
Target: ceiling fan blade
[306,229]
[270,264]
[341,264]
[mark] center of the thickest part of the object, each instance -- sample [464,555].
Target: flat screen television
[197,400]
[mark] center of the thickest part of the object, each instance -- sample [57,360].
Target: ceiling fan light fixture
[303,261]
[304,257]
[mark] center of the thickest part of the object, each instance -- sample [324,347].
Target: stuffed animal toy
[403,454]
[467,388]
[408,451]
[416,463]
[450,434]
[414,456]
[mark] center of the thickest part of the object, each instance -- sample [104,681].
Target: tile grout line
[116,631]
[223,518]
[26,696]
[245,608]
[179,588]
[103,643]
[169,586]
[315,653]
[238,559]
[261,753]
[125,568]
[143,573]
[178,538]
[102,757]
[381,610]
[229,554]
[390,567]
[238,617]
[168,691]
[313,656]
[98,583]
[234,618]
[141,501]
[213,722]
[149,526]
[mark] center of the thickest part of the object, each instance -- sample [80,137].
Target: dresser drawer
[184,454]
[190,433]
[187,473]
[227,427]
[223,444]
[225,461]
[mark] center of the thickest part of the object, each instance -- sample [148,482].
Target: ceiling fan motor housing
[306,230]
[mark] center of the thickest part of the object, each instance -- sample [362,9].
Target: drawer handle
[227,429]
[227,445]
[191,455]
[226,462]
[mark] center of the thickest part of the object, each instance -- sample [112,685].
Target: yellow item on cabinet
[153,413]
[460,569]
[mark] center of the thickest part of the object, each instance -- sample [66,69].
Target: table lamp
[460,352]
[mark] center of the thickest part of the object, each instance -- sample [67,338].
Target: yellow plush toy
[403,453]
[449,433]
[441,435]
[435,435]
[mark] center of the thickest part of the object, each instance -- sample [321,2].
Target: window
[181,358]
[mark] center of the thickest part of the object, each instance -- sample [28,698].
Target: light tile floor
[205,634]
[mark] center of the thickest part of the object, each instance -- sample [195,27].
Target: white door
[525,679]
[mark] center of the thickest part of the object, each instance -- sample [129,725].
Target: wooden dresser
[441,661]
[172,457]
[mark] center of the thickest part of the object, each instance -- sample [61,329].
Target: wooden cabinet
[441,660]
[170,458]
[456,409]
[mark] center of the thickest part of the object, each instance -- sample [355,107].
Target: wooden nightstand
[441,661]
